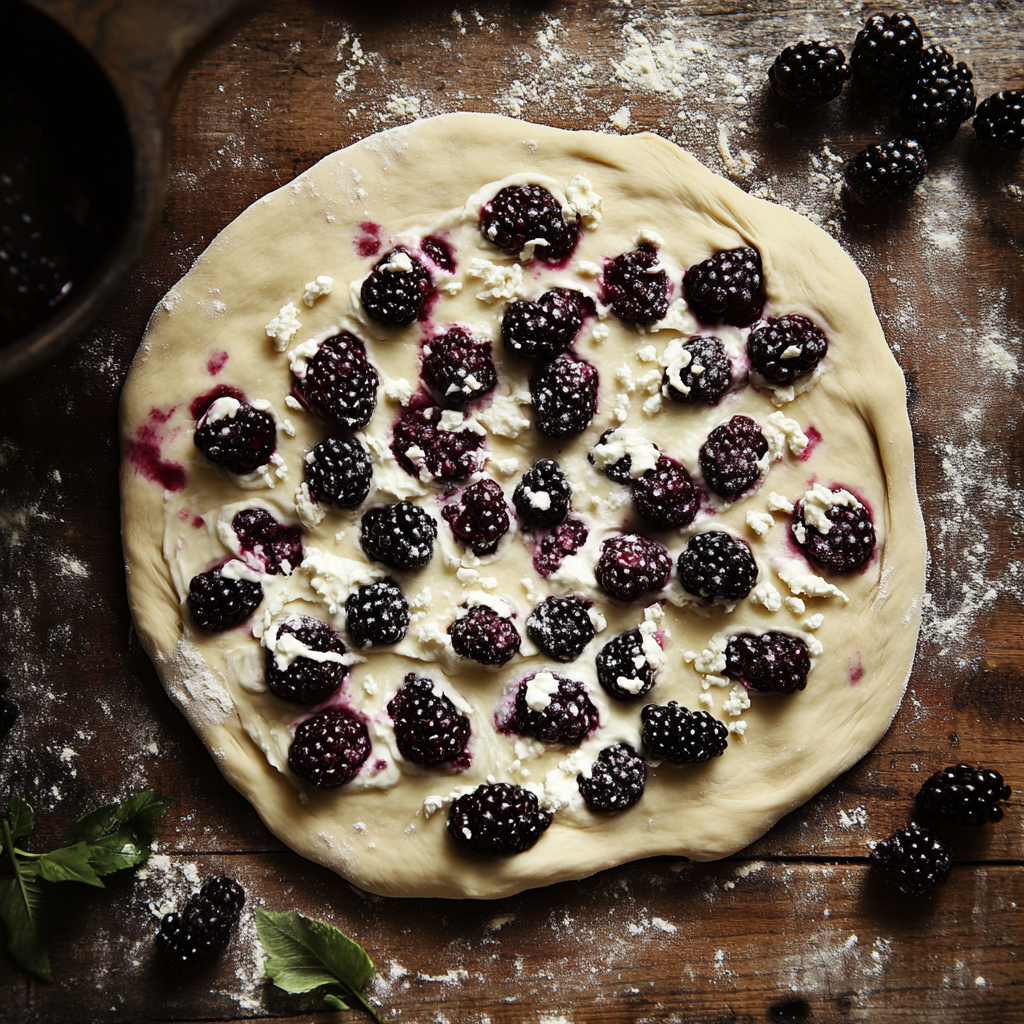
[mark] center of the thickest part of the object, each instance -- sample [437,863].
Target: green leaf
[20,818]
[69,864]
[335,1003]
[24,912]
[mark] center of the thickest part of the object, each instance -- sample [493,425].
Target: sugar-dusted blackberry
[439,252]
[479,518]
[964,795]
[566,539]
[219,602]
[553,709]
[547,327]
[622,667]
[339,383]
[329,749]
[235,436]
[727,287]
[631,566]
[772,662]
[457,368]
[706,376]
[729,457]
[849,543]
[716,564]
[303,680]
[444,454]
[429,728]
[561,627]
[564,394]
[621,470]
[484,636]
[887,171]
[809,73]
[665,496]
[276,545]
[204,927]
[224,893]
[400,535]
[1000,120]
[676,734]
[499,819]
[913,861]
[377,613]
[786,348]
[9,711]
[636,291]
[938,98]
[339,472]
[525,213]
[395,291]
[543,496]
[885,54]
[617,780]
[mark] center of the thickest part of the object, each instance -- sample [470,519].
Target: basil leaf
[24,913]
[131,820]
[20,818]
[335,1003]
[69,864]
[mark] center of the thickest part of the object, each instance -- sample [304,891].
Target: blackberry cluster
[913,861]
[524,213]
[277,546]
[786,348]
[622,667]
[632,566]
[964,795]
[635,293]
[885,54]
[497,819]
[240,443]
[564,395]
[676,734]
[479,519]
[339,472]
[219,602]
[773,662]
[561,627]
[807,74]
[617,780]
[717,565]
[377,613]
[457,369]
[306,680]
[569,716]
[727,288]
[705,378]
[484,636]
[329,749]
[339,383]
[547,327]
[939,98]
[887,171]
[849,543]
[204,927]
[400,535]
[9,711]
[447,454]
[729,457]
[665,496]
[566,539]
[543,496]
[1000,120]
[394,296]
[429,729]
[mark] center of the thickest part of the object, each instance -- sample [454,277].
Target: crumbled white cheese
[649,236]
[813,622]
[816,502]
[626,441]
[585,201]
[539,690]
[779,503]
[760,522]
[675,359]
[284,326]
[502,416]
[507,466]
[537,499]
[790,430]
[398,263]
[599,332]
[334,577]
[225,408]
[765,594]
[398,389]
[587,269]
[737,728]
[795,605]
[314,289]
[647,354]
[310,514]
[737,702]
[301,354]
[711,659]
[802,581]
[499,282]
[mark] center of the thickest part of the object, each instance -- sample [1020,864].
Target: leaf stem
[12,855]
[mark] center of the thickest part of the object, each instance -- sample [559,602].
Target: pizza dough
[385,830]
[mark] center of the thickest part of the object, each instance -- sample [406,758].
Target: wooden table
[793,929]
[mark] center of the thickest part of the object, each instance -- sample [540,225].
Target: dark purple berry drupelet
[938,98]
[564,394]
[429,728]
[339,384]
[665,496]
[727,288]
[676,734]
[447,454]
[566,539]
[203,928]
[887,171]
[885,54]
[913,861]
[717,565]
[277,546]
[377,613]
[543,496]
[457,368]
[524,213]
[964,795]
[807,74]
[1000,120]
[849,543]
[631,566]
[706,377]
[394,295]
[479,518]
[484,636]
[561,627]
[439,252]
[339,472]
[219,602]
[547,327]
[770,663]
[235,436]
[329,748]
[771,348]
[307,680]
[622,667]
[567,718]
[499,819]
[9,711]
[635,293]
[617,780]
[729,457]
[400,535]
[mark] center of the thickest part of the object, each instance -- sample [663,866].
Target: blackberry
[617,780]
[621,470]
[497,819]
[729,457]
[786,348]
[1000,120]
[913,861]
[439,252]
[339,383]
[524,213]
[219,602]
[204,927]
[887,171]
[457,369]
[400,535]
[727,287]
[479,519]
[447,454]
[561,627]
[329,748]
[307,680]
[849,543]
[567,718]
[885,54]
[636,291]
[564,394]
[964,795]
[939,97]
[676,734]
[705,378]
[770,663]
[9,711]
[716,564]
[395,295]
[377,613]
[547,327]
[277,546]
[235,436]
[631,566]
[665,495]
[566,539]
[807,74]
[622,667]
[339,472]
[543,496]
[429,729]
[484,636]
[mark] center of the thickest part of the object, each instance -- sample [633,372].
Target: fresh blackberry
[307,680]
[807,74]
[394,295]
[636,291]
[479,519]
[887,171]
[727,288]
[339,472]
[716,564]
[543,496]
[377,613]
[622,667]
[429,729]
[484,636]
[617,780]
[561,627]
[885,53]
[621,470]
[447,454]
[9,711]
[566,539]
[849,543]
[547,327]
[524,213]
[235,436]
[204,927]
[439,252]
[665,495]
[497,819]
[770,663]
[339,383]
[1000,120]
[277,546]
[219,602]
[964,795]
[705,378]
[400,535]
[939,97]
[564,395]
[729,457]
[329,748]
[676,734]
[567,718]
[913,861]
[457,369]
[631,566]
[786,348]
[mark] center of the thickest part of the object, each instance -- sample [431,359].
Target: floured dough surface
[385,830]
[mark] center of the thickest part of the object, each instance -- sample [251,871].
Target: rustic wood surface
[793,929]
